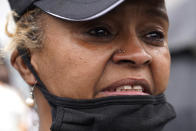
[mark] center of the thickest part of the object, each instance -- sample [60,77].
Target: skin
[76,63]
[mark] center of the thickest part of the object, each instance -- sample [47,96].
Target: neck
[44,111]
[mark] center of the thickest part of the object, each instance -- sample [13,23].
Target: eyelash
[154,37]
[100,32]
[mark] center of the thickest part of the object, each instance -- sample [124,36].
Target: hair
[28,32]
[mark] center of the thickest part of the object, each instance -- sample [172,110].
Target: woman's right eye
[101,32]
[155,38]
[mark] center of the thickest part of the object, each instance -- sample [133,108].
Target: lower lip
[123,93]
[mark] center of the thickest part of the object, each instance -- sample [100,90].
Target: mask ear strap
[25,55]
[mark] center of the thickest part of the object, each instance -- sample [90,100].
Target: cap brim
[77,10]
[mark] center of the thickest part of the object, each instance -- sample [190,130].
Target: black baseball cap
[72,10]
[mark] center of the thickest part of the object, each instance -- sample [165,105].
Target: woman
[95,65]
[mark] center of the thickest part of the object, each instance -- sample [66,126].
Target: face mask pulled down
[115,113]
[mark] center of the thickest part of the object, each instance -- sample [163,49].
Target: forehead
[151,8]
[141,4]
[159,3]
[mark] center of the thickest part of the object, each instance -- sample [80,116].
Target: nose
[132,53]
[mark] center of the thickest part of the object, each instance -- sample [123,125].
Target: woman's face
[126,48]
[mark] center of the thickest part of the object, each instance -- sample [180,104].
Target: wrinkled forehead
[148,8]
[151,3]
[160,3]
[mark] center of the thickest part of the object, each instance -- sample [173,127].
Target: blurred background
[182,43]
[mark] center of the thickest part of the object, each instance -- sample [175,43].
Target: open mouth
[127,87]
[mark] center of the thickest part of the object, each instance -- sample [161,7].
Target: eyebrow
[158,13]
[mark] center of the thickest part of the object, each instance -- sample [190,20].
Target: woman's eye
[154,37]
[99,32]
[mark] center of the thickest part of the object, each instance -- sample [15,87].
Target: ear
[18,63]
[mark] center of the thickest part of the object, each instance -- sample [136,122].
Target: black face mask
[115,113]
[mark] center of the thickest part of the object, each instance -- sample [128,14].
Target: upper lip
[131,82]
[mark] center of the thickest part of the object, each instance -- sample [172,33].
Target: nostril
[133,58]
[128,61]
[134,62]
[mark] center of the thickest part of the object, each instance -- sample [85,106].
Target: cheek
[72,70]
[160,70]
[80,75]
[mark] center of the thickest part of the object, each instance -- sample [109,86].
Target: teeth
[137,87]
[118,90]
[129,88]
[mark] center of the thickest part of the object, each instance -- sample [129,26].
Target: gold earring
[30,100]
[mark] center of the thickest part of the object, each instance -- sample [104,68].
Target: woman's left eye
[154,37]
[99,32]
